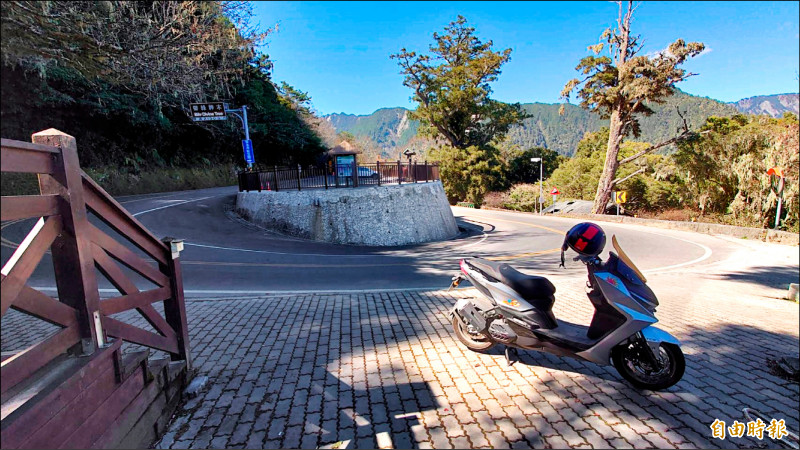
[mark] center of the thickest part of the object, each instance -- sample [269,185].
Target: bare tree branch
[620,180]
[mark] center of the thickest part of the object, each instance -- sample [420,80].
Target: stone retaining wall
[377,216]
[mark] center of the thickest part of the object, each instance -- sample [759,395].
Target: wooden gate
[53,392]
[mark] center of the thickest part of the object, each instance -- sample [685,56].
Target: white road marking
[247,250]
[706,251]
[22,247]
[174,204]
[398,253]
[143,199]
[483,236]
[706,254]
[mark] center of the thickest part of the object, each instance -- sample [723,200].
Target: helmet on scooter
[587,239]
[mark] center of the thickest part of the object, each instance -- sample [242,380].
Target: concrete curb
[777,237]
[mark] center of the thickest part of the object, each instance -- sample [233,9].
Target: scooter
[515,310]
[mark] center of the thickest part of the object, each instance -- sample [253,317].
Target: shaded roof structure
[343,148]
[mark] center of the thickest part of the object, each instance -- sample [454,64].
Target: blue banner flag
[247,145]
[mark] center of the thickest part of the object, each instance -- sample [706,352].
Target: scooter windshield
[626,263]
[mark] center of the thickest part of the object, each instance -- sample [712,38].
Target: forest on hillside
[119,76]
[545,126]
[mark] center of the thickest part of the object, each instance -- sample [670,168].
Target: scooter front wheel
[631,364]
[476,342]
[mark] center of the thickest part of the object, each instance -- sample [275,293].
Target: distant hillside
[390,127]
[387,127]
[773,105]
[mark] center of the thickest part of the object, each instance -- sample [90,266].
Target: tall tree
[451,85]
[619,87]
[161,49]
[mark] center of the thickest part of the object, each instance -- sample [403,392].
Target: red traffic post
[554,192]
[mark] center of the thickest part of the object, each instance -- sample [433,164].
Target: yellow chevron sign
[620,196]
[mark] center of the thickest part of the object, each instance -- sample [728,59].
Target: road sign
[776,184]
[775,171]
[247,145]
[555,191]
[200,112]
[620,196]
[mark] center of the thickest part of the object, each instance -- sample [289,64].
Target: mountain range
[391,128]
[773,105]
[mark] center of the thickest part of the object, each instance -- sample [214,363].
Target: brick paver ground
[384,369]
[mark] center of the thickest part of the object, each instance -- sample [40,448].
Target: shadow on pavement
[726,371]
[777,277]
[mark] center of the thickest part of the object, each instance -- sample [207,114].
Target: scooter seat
[530,287]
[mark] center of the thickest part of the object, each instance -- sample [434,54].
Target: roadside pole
[541,175]
[541,197]
[247,144]
[777,183]
[200,112]
[554,192]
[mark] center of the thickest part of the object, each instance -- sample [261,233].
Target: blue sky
[338,52]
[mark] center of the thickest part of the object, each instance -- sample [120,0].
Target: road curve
[225,256]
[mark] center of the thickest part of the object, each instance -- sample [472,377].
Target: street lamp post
[409,153]
[539,160]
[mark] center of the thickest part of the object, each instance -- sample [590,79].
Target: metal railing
[339,176]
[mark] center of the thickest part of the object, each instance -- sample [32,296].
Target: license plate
[472,316]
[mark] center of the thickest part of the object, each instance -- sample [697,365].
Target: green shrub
[162,179]
[522,197]
[467,174]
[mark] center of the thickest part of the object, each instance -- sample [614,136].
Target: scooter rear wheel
[631,365]
[476,342]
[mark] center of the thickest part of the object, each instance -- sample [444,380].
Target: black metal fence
[338,176]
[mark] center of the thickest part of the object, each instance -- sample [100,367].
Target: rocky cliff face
[773,105]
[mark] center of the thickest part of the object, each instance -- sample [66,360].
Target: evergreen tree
[620,87]
[452,88]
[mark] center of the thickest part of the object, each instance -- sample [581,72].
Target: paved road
[383,368]
[226,256]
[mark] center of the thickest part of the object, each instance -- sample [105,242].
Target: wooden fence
[67,196]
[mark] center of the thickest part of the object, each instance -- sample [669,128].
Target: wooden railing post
[399,173]
[378,167]
[72,250]
[175,306]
